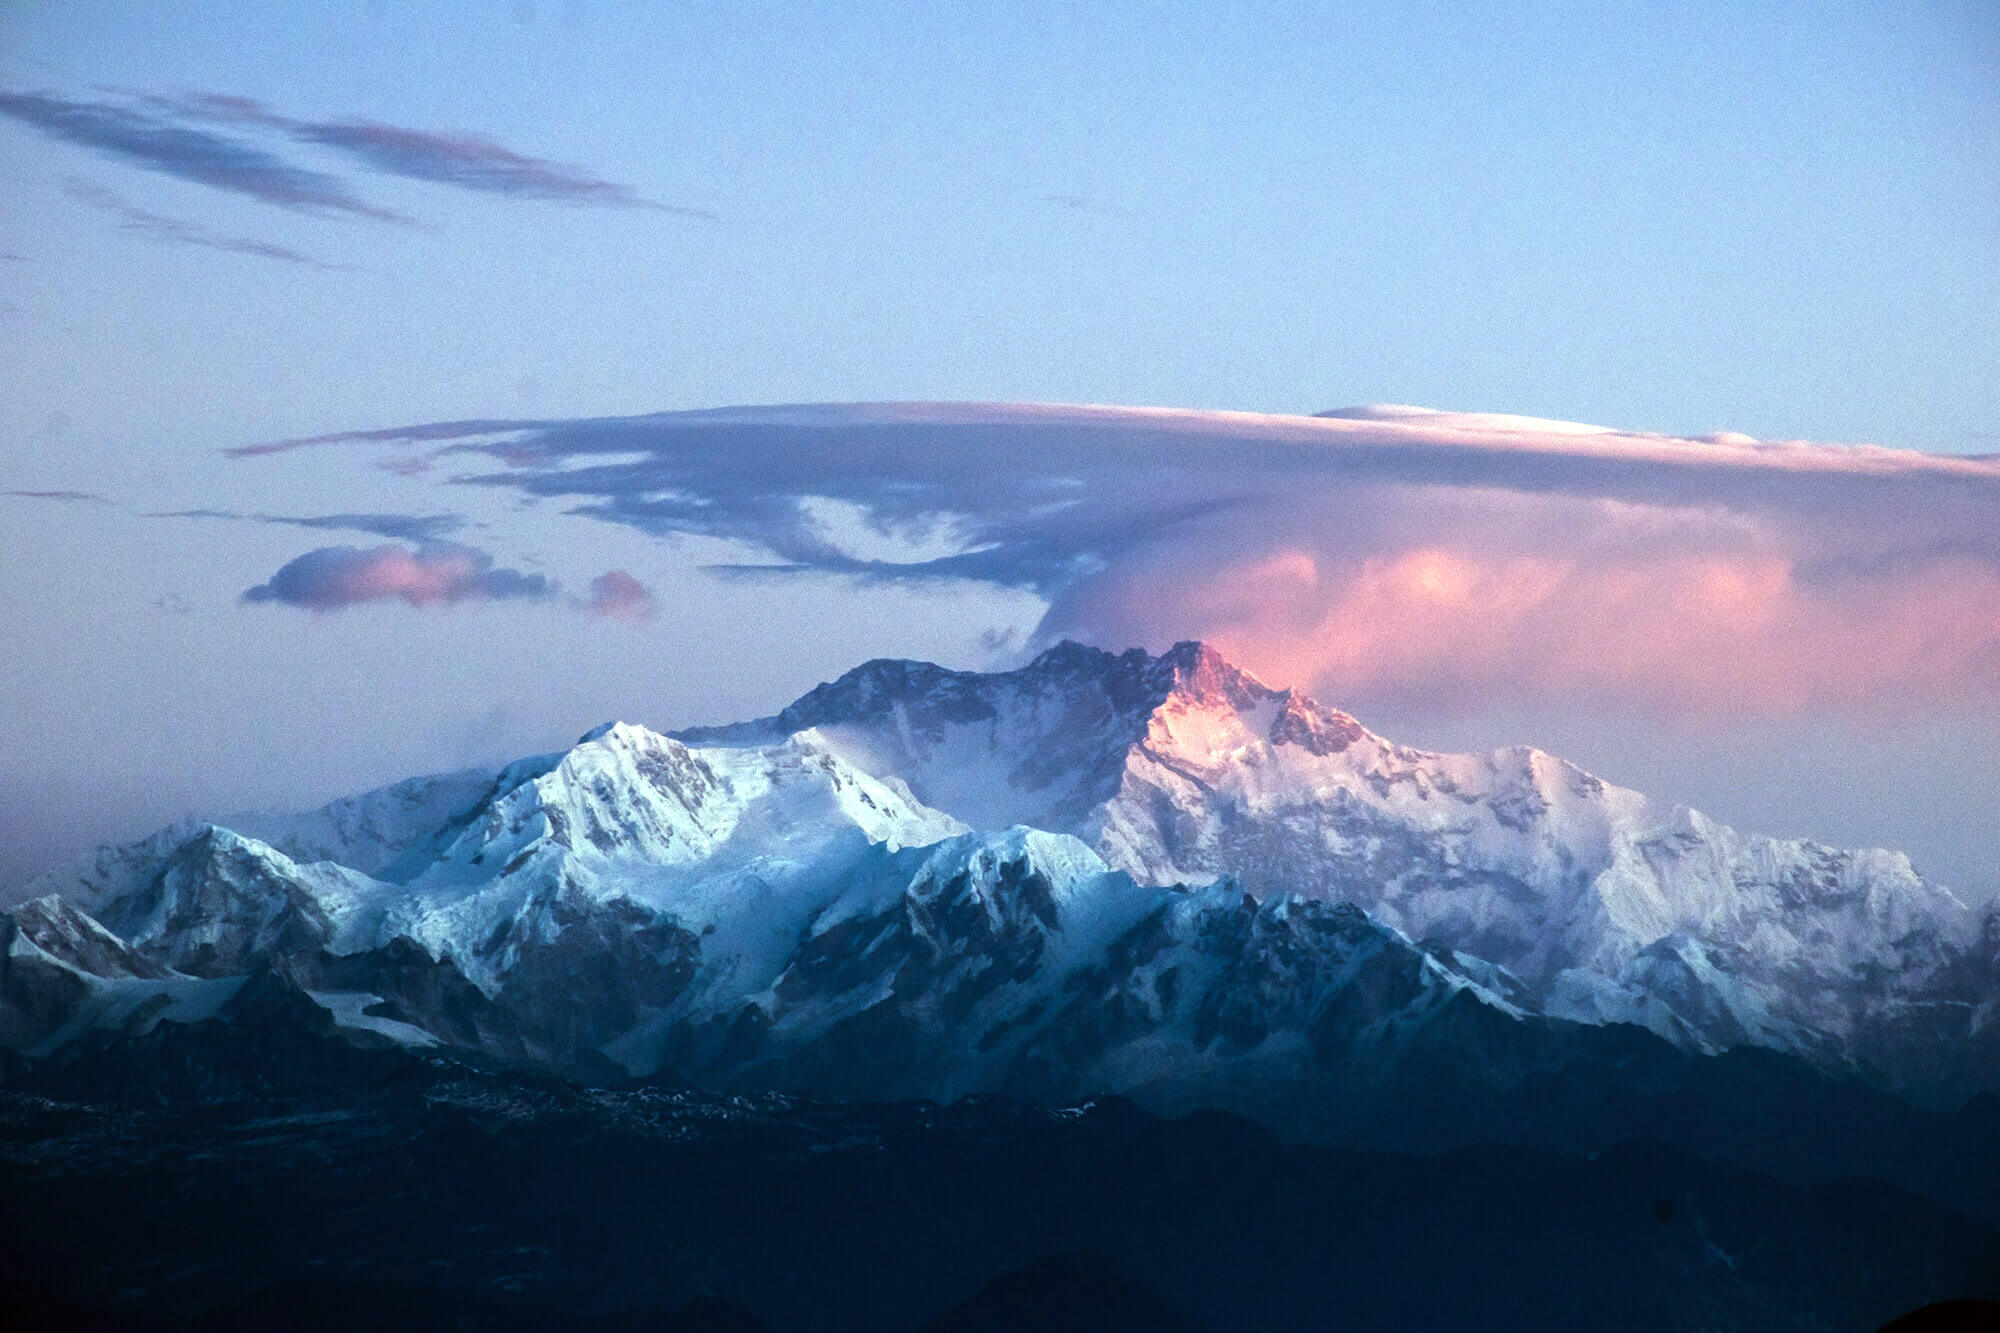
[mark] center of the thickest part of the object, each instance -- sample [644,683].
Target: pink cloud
[618,596]
[335,577]
[1675,613]
[1462,561]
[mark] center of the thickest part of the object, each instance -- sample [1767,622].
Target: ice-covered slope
[767,915]
[1123,872]
[386,833]
[1012,962]
[626,815]
[1594,902]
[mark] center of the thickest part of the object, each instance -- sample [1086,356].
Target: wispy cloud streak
[138,220]
[458,158]
[75,497]
[474,162]
[409,527]
[180,136]
[189,154]
[439,431]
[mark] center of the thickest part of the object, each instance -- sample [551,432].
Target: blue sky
[1777,219]
[1769,218]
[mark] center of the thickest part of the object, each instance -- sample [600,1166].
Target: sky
[475,251]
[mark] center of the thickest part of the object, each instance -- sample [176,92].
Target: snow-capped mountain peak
[1045,744]
[1182,768]
[919,881]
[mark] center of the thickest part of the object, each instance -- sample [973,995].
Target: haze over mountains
[1154,875]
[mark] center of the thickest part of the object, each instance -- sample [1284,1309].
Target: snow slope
[1597,903]
[1098,872]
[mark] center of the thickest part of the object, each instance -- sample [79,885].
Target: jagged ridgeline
[1154,876]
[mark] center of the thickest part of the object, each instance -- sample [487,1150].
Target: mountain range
[1148,875]
[933,995]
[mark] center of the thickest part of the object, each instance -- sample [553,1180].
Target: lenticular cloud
[1391,551]
[333,577]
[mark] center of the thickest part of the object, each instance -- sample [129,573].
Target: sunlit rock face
[1154,875]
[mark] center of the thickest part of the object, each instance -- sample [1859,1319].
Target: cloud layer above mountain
[1449,558]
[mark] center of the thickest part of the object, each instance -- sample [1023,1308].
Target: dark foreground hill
[445,1198]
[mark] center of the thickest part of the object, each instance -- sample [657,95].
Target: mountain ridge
[1158,873]
[1578,888]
